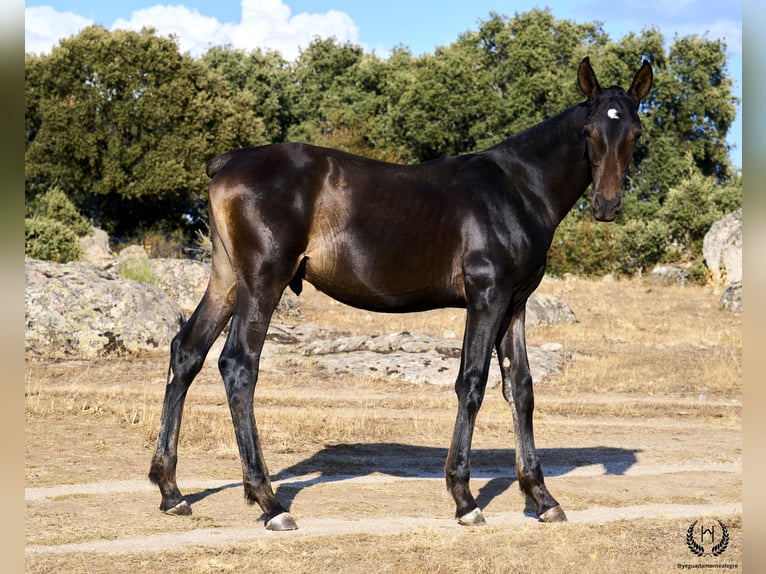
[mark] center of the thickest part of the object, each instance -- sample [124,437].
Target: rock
[722,249]
[184,280]
[668,275]
[95,248]
[731,300]
[80,310]
[411,357]
[548,310]
[87,311]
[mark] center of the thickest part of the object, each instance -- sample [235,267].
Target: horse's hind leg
[238,363]
[187,355]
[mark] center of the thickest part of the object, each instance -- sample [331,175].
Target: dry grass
[650,546]
[649,369]
[636,337]
[633,339]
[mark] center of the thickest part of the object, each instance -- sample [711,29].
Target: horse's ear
[586,79]
[642,82]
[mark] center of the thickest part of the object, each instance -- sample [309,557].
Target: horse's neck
[554,151]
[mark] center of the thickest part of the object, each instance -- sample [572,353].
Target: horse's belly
[381,283]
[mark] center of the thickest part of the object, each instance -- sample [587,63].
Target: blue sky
[421,25]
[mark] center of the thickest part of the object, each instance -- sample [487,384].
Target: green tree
[533,58]
[688,114]
[321,84]
[339,99]
[265,77]
[699,104]
[124,124]
[445,105]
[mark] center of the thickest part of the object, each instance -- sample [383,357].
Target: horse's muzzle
[606,209]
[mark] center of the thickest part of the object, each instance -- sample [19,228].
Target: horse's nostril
[597,201]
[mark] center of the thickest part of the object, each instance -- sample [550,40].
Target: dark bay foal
[470,231]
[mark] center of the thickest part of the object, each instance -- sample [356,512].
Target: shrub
[698,274]
[584,247]
[54,204]
[691,208]
[645,235]
[642,244]
[51,240]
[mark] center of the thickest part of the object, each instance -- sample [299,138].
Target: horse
[470,231]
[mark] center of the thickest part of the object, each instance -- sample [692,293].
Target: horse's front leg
[482,324]
[517,390]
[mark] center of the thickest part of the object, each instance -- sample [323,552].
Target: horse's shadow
[340,462]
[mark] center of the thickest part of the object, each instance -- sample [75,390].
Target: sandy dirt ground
[354,459]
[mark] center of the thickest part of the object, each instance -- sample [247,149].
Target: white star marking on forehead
[613,114]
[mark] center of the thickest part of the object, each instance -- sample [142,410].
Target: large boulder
[722,249]
[183,280]
[80,310]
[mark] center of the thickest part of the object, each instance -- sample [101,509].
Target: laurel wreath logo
[699,550]
[696,549]
[720,548]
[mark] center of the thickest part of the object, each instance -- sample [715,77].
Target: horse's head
[610,132]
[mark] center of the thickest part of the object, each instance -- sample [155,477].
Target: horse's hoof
[282,522]
[555,514]
[473,518]
[180,509]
